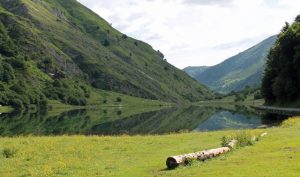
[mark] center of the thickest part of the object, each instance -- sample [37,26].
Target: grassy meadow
[102,99]
[277,154]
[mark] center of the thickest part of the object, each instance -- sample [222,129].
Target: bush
[7,74]
[239,97]
[225,141]
[189,161]
[9,152]
[18,88]
[119,99]
[18,63]
[2,88]
[244,139]
[257,96]
[17,104]
[119,112]
[105,43]
[297,19]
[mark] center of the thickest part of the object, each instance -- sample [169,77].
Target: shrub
[8,73]
[2,88]
[9,152]
[244,139]
[83,102]
[119,112]
[257,96]
[119,99]
[105,43]
[17,104]
[160,54]
[189,161]
[18,63]
[18,88]
[297,19]
[225,141]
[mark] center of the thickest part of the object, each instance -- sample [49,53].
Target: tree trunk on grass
[175,161]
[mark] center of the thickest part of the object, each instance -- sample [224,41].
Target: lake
[116,121]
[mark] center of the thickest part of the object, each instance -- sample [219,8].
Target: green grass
[107,98]
[5,109]
[231,100]
[102,99]
[277,154]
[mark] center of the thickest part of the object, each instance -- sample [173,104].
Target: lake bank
[146,155]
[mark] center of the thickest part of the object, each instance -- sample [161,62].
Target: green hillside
[281,80]
[235,73]
[59,49]
[193,71]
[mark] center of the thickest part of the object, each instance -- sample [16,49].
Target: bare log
[175,161]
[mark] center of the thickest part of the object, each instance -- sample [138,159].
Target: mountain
[235,73]
[59,49]
[281,84]
[195,70]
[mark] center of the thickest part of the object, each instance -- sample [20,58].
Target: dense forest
[281,82]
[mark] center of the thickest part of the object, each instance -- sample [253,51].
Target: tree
[119,99]
[286,27]
[160,54]
[281,81]
[16,103]
[297,19]
[105,43]
[8,73]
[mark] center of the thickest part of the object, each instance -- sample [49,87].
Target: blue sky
[197,32]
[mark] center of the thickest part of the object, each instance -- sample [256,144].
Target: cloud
[197,32]
[208,2]
[241,43]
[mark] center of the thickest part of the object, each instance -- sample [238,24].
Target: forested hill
[281,82]
[237,72]
[58,49]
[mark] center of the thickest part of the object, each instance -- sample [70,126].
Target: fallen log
[175,161]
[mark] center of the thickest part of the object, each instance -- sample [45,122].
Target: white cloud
[202,32]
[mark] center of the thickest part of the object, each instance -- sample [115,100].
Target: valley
[80,97]
[237,72]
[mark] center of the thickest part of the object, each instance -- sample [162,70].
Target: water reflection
[229,120]
[113,121]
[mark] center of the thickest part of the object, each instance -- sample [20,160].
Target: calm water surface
[115,121]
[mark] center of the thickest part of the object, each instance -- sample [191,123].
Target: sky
[197,32]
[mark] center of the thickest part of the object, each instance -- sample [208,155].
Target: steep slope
[64,46]
[241,70]
[193,71]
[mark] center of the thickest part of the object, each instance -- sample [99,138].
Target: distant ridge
[237,72]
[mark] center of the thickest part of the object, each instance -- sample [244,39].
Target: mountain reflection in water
[115,121]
